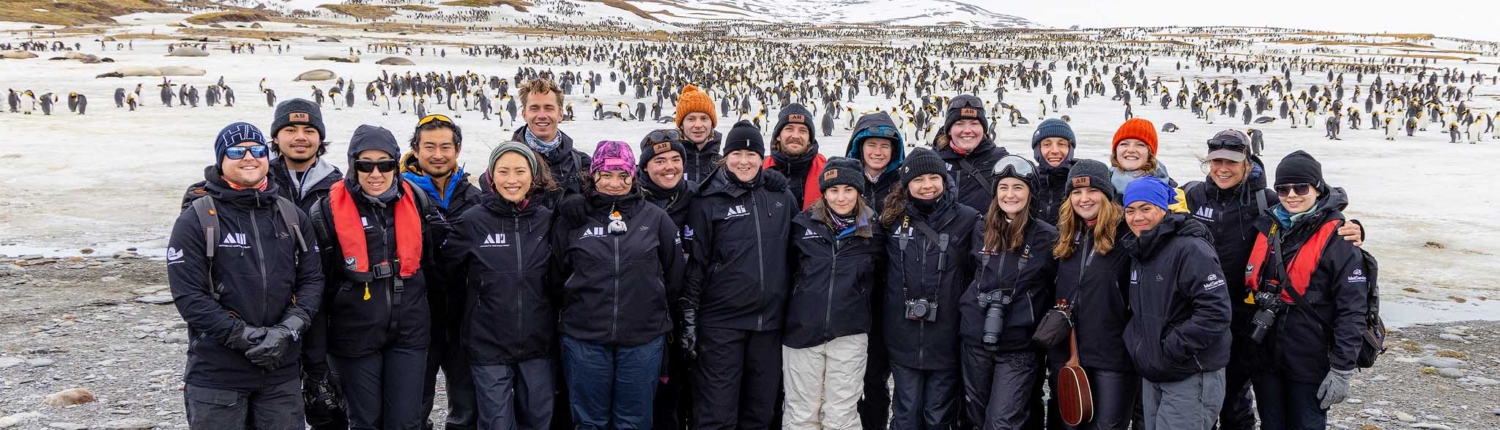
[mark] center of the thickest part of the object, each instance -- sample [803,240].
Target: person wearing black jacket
[499,252]
[1178,335]
[929,268]
[737,286]
[372,230]
[696,121]
[1091,276]
[432,168]
[247,305]
[837,244]
[663,184]
[1015,276]
[880,149]
[964,144]
[623,266]
[1305,363]
[1052,145]
[542,110]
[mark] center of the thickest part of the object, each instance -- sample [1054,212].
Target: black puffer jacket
[922,267]
[501,254]
[358,323]
[1095,286]
[1028,275]
[835,274]
[618,286]
[1304,349]
[975,189]
[259,274]
[738,278]
[697,164]
[1180,300]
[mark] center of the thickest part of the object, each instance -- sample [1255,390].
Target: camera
[1268,300]
[921,310]
[994,304]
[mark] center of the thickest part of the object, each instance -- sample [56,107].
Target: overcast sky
[1473,19]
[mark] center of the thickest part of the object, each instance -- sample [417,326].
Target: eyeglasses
[1230,143]
[366,166]
[433,117]
[1013,166]
[238,152]
[1287,189]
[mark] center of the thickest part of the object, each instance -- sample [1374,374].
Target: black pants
[1238,412]
[875,407]
[1116,398]
[674,396]
[924,399]
[315,365]
[1287,405]
[276,406]
[998,387]
[381,388]
[515,396]
[447,353]
[737,379]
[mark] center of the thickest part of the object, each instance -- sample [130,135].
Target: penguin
[1390,131]
[228,96]
[1169,127]
[130,100]
[73,102]
[270,97]
[48,99]
[385,105]
[827,123]
[31,106]
[349,96]
[510,107]
[1257,141]
[119,98]
[13,99]
[192,96]
[640,111]
[421,108]
[166,92]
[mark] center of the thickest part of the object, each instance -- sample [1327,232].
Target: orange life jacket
[1301,269]
[351,233]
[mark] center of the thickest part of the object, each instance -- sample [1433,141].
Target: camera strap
[1286,284]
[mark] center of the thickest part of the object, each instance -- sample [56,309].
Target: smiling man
[297,139]
[794,153]
[542,103]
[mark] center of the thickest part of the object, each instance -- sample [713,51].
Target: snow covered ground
[112,179]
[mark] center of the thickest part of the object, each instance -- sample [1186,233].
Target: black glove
[573,210]
[271,352]
[688,338]
[242,337]
[1193,227]
[774,180]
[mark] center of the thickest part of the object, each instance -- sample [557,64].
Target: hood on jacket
[874,125]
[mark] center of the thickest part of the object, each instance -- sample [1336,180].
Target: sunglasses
[1012,166]
[1288,189]
[660,136]
[434,117]
[238,152]
[1230,143]
[366,166]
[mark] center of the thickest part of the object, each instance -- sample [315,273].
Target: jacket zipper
[260,259]
[833,273]
[521,292]
[760,260]
[614,321]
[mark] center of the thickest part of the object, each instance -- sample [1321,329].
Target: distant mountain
[884,12]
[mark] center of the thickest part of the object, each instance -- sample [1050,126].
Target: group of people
[708,280]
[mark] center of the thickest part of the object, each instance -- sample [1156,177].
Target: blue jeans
[612,387]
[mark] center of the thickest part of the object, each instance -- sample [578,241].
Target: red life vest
[351,233]
[810,190]
[1301,269]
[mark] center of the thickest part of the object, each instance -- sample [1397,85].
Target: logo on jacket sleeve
[1358,277]
[736,212]
[174,255]
[494,240]
[1213,282]
[593,232]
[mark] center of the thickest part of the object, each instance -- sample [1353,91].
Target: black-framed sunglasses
[238,152]
[1287,189]
[366,166]
[1230,143]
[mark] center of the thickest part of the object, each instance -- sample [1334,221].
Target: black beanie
[965,107]
[1091,173]
[922,161]
[1300,168]
[368,137]
[795,113]
[842,171]
[744,135]
[298,112]
[660,142]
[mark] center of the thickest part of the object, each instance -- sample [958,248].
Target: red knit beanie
[1135,128]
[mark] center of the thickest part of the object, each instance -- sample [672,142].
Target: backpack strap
[208,217]
[293,220]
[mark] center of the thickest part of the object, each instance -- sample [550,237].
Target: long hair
[895,206]
[541,179]
[1069,224]
[1000,235]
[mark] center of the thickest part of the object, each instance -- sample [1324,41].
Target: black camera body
[921,310]
[994,304]
[1269,305]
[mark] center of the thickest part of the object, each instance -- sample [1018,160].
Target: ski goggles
[238,152]
[1287,189]
[367,166]
[1013,166]
[660,136]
